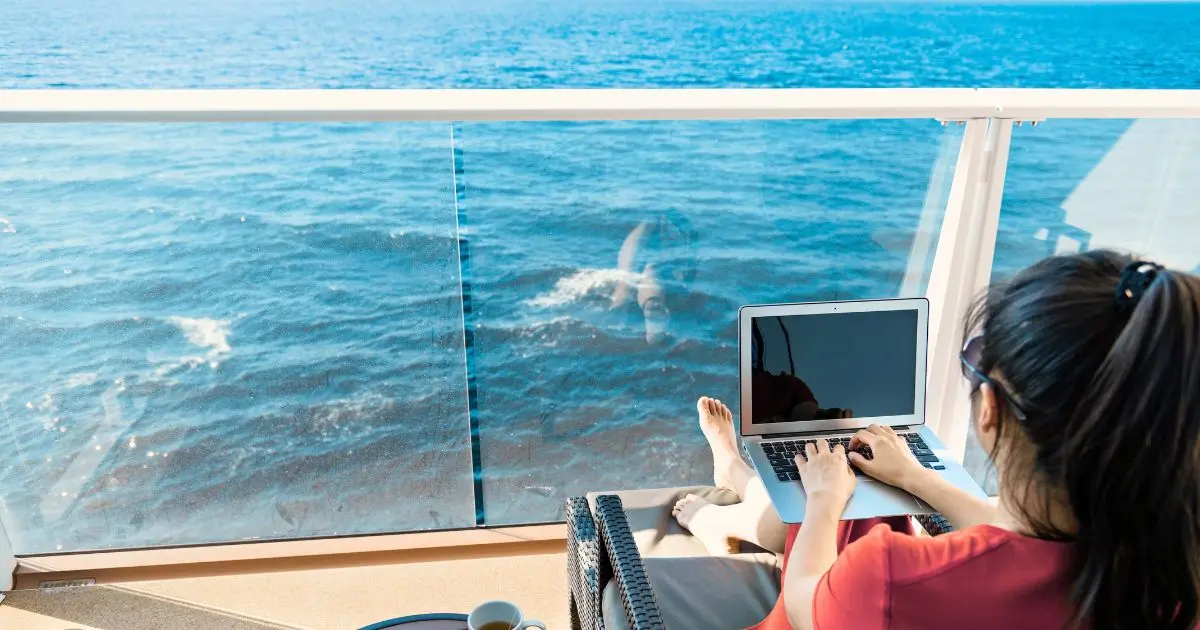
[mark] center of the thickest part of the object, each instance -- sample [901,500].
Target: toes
[718,408]
[679,512]
[682,504]
[713,407]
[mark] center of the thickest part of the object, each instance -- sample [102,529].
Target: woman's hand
[827,479]
[891,462]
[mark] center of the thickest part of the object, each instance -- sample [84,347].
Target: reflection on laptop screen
[838,365]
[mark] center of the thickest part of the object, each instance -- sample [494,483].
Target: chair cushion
[705,593]
[654,529]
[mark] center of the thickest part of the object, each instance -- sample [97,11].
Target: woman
[1086,394]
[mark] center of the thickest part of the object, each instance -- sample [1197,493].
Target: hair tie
[1135,279]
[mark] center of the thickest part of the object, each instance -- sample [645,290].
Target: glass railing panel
[608,261]
[1078,185]
[229,332]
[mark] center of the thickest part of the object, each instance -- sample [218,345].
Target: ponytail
[1130,466]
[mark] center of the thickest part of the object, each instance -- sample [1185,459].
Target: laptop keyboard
[782,454]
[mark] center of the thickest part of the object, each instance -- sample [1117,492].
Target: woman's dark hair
[1103,356]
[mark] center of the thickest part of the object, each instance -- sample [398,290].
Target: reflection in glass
[656,267]
[228,332]
[609,261]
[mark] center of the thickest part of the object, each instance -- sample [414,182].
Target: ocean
[248,331]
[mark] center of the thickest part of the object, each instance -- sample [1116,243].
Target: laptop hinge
[775,436]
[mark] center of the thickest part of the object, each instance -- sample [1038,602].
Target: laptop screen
[833,365]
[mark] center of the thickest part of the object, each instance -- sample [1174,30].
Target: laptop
[826,370]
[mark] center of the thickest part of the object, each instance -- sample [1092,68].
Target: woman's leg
[730,471]
[754,520]
[718,526]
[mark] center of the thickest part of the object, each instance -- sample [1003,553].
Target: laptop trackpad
[874,498]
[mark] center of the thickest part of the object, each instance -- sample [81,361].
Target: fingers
[863,438]
[839,452]
[860,462]
[821,447]
[882,431]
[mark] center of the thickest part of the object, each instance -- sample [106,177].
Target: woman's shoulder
[916,558]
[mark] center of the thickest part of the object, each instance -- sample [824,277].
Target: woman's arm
[892,463]
[959,507]
[828,484]
[813,553]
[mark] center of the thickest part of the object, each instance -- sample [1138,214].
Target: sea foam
[581,284]
[205,333]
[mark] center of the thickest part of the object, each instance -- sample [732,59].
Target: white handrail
[58,106]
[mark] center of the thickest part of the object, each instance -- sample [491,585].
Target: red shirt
[982,578]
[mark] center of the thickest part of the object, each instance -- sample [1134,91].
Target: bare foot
[716,422]
[692,512]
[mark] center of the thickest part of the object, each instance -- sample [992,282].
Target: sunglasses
[971,353]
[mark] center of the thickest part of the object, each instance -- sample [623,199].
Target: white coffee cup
[500,612]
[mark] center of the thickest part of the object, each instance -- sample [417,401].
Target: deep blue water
[215,332]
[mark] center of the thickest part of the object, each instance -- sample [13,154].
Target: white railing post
[8,560]
[962,268]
